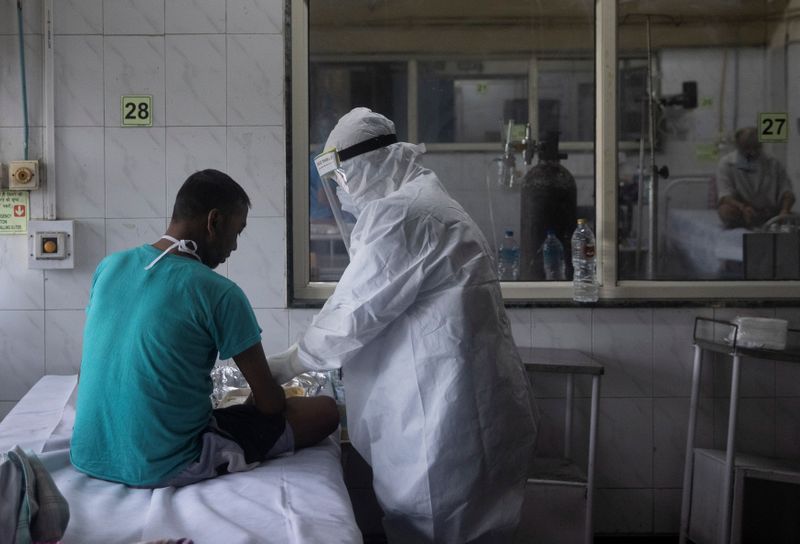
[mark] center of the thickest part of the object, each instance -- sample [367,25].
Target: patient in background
[751,187]
[158,316]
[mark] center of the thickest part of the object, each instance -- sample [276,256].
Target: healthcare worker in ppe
[437,399]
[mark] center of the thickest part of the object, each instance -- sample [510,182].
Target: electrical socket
[23,175]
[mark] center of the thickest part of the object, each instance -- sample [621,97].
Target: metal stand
[562,472]
[724,498]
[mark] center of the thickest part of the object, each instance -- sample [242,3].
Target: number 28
[134,112]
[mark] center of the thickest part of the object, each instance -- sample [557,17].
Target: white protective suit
[438,402]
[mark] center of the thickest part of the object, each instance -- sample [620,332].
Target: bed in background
[295,499]
[695,243]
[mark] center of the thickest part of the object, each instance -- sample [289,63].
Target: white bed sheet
[296,499]
[698,234]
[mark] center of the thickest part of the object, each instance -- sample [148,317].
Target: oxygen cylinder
[549,200]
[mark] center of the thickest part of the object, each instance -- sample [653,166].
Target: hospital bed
[695,243]
[295,499]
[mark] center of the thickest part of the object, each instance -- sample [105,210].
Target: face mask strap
[182,245]
[328,163]
[366,146]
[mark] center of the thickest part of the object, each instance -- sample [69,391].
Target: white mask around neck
[182,245]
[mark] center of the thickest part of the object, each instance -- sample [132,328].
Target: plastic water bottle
[584,280]
[553,256]
[508,258]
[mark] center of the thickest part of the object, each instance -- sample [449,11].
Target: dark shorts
[237,439]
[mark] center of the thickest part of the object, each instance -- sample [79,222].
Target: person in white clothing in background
[438,402]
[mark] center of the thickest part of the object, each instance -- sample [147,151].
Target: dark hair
[206,190]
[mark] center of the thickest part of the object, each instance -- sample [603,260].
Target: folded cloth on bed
[42,512]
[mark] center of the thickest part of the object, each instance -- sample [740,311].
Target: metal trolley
[713,480]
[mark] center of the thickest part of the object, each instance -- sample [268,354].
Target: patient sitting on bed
[751,186]
[157,318]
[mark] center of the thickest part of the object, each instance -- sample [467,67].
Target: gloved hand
[285,365]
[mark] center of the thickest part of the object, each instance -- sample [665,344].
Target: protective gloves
[285,365]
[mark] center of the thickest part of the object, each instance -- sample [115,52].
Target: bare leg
[311,418]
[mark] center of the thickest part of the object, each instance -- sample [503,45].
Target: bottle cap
[509,232]
[581,221]
[548,232]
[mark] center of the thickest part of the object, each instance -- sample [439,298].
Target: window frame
[303,292]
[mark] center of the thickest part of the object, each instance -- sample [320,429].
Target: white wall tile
[11,111]
[299,320]
[792,315]
[787,375]
[667,511]
[550,434]
[69,289]
[194,16]
[78,16]
[787,379]
[136,184]
[755,427]
[565,328]
[521,327]
[79,80]
[12,144]
[21,352]
[133,65]
[255,16]
[757,377]
[548,385]
[122,234]
[625,443]
[670,424]
[257,161]
[64,340]
[20,288]
[569,328]
[787,426]
[190,149]
[623,511]
[133,16]
[673,353]
[31,17]
[622,342]
[255,80]
[80,184]
[196,80]
[275,325]
[258,266]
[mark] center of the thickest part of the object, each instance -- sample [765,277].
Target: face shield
[335,183]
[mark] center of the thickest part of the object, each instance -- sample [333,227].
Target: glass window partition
[705,170]
[501,93]
[686,181]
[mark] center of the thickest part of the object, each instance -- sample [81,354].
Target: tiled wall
[215,70]
[216,73]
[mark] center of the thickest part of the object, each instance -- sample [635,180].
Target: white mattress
[298,499]
[698,234]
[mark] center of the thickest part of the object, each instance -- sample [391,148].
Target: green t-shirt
[150,341]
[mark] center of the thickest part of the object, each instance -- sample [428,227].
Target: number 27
[768,123]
